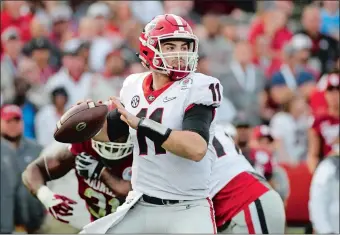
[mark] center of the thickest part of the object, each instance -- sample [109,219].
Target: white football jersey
[155,171]
[229,163]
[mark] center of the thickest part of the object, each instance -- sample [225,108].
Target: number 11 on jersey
[157,117]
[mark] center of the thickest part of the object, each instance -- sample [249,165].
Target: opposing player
[244,202]
[169,113]
[103,171]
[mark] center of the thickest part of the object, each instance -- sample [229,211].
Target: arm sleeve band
[116,128]
[198,119]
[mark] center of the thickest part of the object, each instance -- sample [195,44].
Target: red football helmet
[168,27]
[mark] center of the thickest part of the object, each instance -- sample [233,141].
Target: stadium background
[35,35]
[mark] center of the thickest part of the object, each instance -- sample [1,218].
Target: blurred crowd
[278,63]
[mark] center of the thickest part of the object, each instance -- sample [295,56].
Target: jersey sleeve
[124,92]
[204,90]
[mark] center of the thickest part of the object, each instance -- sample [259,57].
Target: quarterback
[169,113]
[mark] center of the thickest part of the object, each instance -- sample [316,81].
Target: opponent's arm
[119,186]
[52,164]
[49,166]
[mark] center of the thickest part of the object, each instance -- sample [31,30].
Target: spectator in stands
[40,50]
[29,110]
[130,31]
[243,134]
[324,196]
[325,49]
[16,13]
[72,75]
[49,115]
[330,19]
[244,82]
[291,78]
[18,206]
[268,37]
[12,46]
[61,19]
[111,80]
[29,70]
[325,129]
[214,46]
[183,9]
[38,28]
[154,8]
[289,129]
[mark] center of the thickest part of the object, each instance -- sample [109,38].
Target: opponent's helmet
[165,28]
[113,150]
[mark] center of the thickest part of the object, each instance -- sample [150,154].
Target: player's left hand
[127,117]
[88,167]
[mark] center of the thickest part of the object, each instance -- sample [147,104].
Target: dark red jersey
[100,200]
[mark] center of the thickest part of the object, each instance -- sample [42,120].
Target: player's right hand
[59,206]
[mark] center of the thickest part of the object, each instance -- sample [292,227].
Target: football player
[243,200]
[169,112]
[103,171]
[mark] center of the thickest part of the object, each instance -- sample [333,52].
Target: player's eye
[184,48]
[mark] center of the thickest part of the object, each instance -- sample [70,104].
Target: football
[81,122]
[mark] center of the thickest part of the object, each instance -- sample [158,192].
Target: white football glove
[88,167]
[59,206]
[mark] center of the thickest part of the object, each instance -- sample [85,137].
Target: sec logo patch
[135,101]
[127,173]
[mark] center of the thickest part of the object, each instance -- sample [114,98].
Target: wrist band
[153,130]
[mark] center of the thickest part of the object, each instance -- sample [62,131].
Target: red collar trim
[150,94]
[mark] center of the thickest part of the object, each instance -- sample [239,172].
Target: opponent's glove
[60,207]
[88,167]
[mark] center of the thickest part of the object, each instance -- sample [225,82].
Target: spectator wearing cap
[289,129]
[12,46]
[244,82]
[324,131]
[40,50]
[49,115]
[291,79]
[16,153]
[301,46]
[12,16]
[325,49]
[61,17]
[72,75]
[330,19]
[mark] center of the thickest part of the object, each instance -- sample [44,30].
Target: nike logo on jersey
[166,99]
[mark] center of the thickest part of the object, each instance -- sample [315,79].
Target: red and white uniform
[327,128]
[156,172]
[100,200]
[236,192]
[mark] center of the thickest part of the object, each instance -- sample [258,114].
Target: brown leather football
[81,122]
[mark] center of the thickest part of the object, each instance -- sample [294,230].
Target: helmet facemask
[181,62]
[113,150]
